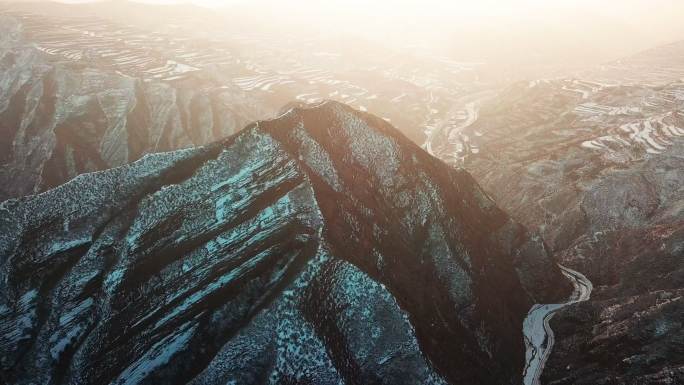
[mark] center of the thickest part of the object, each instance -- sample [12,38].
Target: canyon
[188,202]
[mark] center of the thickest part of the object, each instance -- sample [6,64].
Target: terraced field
[127,49]
[619,123]
[415,92]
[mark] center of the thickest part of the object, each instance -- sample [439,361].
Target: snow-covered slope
[321,247]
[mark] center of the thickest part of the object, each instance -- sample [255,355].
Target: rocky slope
[598,170]
[59,119]
[635,317]
[572,165]
[322,247]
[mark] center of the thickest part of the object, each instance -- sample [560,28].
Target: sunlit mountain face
[341,192]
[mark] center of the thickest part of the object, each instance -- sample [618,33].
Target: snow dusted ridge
[301,250]
[539,337]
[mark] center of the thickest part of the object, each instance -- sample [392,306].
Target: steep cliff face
[321,247]
[61,119]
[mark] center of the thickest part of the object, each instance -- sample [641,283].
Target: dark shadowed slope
[322,247]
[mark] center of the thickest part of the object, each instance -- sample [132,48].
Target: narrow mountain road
[539,337]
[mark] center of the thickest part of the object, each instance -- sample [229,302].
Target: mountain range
[597,169]
[319,247]
[164,220]
[59,119]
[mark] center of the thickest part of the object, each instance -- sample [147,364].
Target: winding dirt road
[539,337]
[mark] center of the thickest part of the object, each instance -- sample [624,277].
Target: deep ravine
[538,335]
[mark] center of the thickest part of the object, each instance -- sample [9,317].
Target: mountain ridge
[292,223]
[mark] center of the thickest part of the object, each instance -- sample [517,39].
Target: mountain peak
[321,245]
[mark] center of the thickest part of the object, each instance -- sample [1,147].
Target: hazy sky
[587,29]
[563,30]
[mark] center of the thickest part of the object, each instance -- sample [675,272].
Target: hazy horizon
[573,33]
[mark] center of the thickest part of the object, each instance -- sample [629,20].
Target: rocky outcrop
[321,247]
[59,119]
